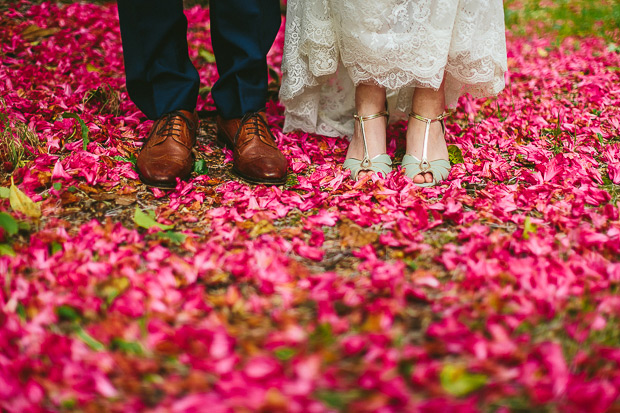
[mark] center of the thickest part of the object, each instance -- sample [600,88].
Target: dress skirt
[332,45]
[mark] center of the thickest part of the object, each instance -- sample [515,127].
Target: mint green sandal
[440,168]
[380,163]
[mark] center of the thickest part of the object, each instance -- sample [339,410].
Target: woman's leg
[369,99]
[428,103]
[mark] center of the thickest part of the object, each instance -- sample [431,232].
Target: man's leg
[163,83]
[242,32]
[160,75]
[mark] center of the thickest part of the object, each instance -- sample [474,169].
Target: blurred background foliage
[579,18]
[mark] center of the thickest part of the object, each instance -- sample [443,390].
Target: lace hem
[333,45]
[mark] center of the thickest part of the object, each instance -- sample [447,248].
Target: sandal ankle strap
[442,116]
[370,117]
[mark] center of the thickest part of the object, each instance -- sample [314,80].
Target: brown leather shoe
[256,157]
[167,152]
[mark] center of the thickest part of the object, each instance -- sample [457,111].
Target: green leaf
[89,340]
[205,90]
[284,353]
[528,228]
[142,323]
[57,186]
[67,313]
[405,368]
[206,55]
[456,381]
[200,167]
[411,264]
[83,127]
[6,249]
[322,336]
[147,221]
[72,189]
[8,223]
[21,311]
[68,404]
[175,237]
[131,159]
[5,192]
[128,347]
[338,399]
[455,154]
[55,247]
[292,180]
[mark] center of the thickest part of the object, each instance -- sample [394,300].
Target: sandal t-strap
[380,163]
[413,166]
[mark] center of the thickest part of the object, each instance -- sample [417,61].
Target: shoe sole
[160,185]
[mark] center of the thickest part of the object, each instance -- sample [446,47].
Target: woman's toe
[428,177]
[418,179]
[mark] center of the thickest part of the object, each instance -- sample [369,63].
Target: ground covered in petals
[497,291]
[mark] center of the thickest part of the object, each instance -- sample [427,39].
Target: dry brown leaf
[88,189]
[261,227]
[67,198]
[125,200]
[103,196]
[354,236]
[275,401]
[34,32]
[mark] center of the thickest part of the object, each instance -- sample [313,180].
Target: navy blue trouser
[160,76]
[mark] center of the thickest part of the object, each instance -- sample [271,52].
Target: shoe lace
[256,126]
[171,125]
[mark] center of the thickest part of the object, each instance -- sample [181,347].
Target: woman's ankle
[437,147]
[369,100]
[375,138]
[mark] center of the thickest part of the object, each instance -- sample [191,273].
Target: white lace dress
[332,45]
